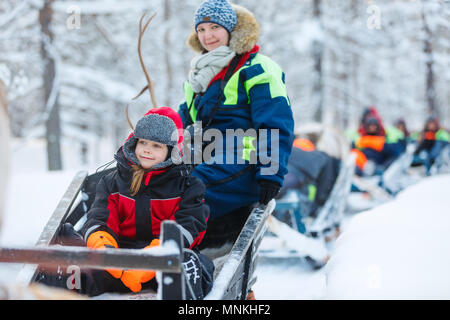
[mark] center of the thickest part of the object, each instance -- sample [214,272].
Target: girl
[147,187]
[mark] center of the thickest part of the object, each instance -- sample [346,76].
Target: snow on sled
[396,177]
[442,163]
[302,238]
[232,281]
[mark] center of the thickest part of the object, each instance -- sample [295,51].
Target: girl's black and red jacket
[134,221]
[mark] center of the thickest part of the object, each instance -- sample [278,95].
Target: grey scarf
[205,67]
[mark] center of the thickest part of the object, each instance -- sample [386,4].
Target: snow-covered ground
[399,250]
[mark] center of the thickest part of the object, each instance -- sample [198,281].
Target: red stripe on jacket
[200,237]
[121,218]
[127,219]
[162,209]
[113,221]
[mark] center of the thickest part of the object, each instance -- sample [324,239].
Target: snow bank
[33,193]
[400,250]
[284,281]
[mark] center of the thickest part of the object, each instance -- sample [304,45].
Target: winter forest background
[71,67]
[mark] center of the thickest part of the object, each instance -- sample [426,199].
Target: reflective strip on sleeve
[89,231]
[187,235]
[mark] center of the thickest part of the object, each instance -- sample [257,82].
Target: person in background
[432,141]
[400,124]
[374,150]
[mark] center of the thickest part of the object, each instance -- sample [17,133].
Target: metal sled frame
[390,180]
[233,281]
[331,213]
[393,180]
[442,162]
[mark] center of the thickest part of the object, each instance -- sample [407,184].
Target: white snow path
[397,250]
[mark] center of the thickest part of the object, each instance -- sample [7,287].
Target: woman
[233,87]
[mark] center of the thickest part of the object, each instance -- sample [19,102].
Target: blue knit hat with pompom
[216,11]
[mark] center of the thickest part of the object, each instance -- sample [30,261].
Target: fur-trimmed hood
[243,37]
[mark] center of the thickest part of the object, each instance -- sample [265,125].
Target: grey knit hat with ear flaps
[159,128]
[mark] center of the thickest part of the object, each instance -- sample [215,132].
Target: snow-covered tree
[377,57]
[339,57]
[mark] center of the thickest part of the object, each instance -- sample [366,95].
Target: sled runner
[442,162]
[395,178]
[233,280]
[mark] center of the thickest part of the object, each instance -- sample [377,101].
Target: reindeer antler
[150,86]
[128,117]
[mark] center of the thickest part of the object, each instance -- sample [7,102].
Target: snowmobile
[234,274]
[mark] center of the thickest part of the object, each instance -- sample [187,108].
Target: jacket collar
[244,58]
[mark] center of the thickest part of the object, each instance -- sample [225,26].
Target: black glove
[268,191]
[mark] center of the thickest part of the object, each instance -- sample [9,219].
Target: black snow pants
[198,270]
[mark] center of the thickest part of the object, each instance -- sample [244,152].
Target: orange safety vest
[429,135]
[361,158]
[373,142]
[304,144]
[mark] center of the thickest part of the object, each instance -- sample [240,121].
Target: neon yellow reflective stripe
[394,135]
[312,191]
[231,89]
[248,147]
[352,135]
[415,135]
[189,96]
[272,75]
[443,135]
